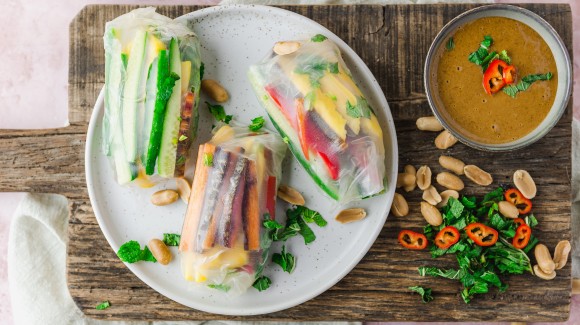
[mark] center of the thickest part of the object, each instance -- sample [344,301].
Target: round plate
[233,38]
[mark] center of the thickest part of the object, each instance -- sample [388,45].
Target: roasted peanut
[543,275]
[214,90]
[410,169]
[424,177]
[561,253]
[429,123]
[477,175]
[160,251]
[525,183]
[183,189]
[508,209]
[164,197]
[450,181]
[400,207]
[286,47]
[431,214]
[404,180]
[290,195]
[544,259]
[351,215]
[431,195]
[445,140]
[453,164]
[445,195]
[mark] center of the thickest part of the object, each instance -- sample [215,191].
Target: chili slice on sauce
[447,237]
[412,240]
[481,234]
[522,237]
[514,196]
[519,221]
[497,75]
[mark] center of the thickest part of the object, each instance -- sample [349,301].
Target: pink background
[33,86]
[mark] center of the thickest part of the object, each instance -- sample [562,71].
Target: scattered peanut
[404,180]
[164,197]
[525,183]
[183,189]
[431,214]
[351,215]
[450,181]
[544,259]
[214,90]
[561,253]
[445,140]
[543,275]
[431,195]
[445,195]
[290,195]
[400,207]
[288,47]
[410,169]
[423,177]
[477,175]
[160,251]
[453,164]
[429,123]
[508,209]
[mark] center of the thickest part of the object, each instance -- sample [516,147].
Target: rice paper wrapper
[223,243]
[321,113]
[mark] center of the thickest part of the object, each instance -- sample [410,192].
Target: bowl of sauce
[498,77]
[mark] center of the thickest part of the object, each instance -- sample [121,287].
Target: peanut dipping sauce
[496,118]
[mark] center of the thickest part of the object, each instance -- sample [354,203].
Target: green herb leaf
[208,159]
[360,109]
[435,271]
[286,260]
[424,292]
[103,305]
[333,67]
[182,138]
[311,216]
[171,239]
[271,224]
[220,287]
[201,71]
[262,283]
[487,41]
[525,83]
[306,232]
[450,45]
[531,220]
[319,38]
[257,124]
[503,55]
[219,113]
[131,252]
[148,256]
[511,90]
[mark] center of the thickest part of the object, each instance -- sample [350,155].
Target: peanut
[351,215]
[429,123]
[164,197]
[404,180]
[183,189]
[445,195]
[477,175]
[450,181]
[410,169]
[453,164]
[160,251]
[431,214]
[214,90]
[423,177]
[561,253]
[431,195]
[525,183]
[290,195]
[543,275]
[445,140]
[287,47]
[508,209]
[544,259]
[400,207]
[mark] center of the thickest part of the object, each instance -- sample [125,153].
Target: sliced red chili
[509,74]
[447,237]
[481,234]
[497,75]
[522,237]
[519,221]
[412,240]
[523,204]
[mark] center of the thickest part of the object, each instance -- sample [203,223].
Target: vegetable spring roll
[326,120]
[223,243]
[152,82]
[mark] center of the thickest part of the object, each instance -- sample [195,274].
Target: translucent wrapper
[327,122]
[152,82]
[223,243]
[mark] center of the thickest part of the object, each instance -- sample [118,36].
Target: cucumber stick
[134,95]
[151,94]
[166,160]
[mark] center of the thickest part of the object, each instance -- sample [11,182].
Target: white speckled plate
[232,38]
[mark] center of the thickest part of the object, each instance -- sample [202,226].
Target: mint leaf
[505,57]
[271,224]
[171,239]
[450,45]
[360,109]
[103,305]
[319,38]
[333,67]
[219,113]
[511,90]
[257,124]
[286,260]
[424,292]
[131,252]
[220,287]
[147,256]
[262,283]
[311,216]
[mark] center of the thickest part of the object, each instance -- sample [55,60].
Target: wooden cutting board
[393,41]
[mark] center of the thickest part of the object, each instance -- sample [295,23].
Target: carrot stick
[251,212]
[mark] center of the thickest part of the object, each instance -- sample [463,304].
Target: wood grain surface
[393,41]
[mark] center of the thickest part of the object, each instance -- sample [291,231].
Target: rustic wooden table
[393,41]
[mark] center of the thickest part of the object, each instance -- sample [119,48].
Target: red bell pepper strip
[271,196]
[514,196]
[282,105]
[509,74]
[522,237]
[302,127]
[331,165]
[497,75]
[412,240]
[481,234]
[447,237]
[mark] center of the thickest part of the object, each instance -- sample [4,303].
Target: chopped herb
[219,113]
[262,283]
[171,239]
[505,57]
[148,256]
[257,124]
[511,90]
[525,83]
[312,216]
[271,224]
[131,252]
[183,138]
[319,38]
[180,160]
[286,260]
[208,159]
[424,292]
[361,109]
[220,287]
[103,305]
[450,44]
[201,71]
[286,140]
[333,67]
